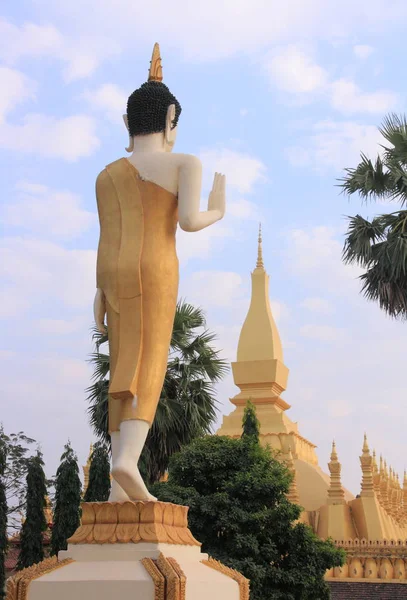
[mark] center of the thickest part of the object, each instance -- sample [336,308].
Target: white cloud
[363,51]
[46,212]
[201,244]
[294,71]
[15,88]
[59,326]
[69,138]
[324,333]
[13,302]
[215,30]
[244,209]
[348,98]
[336,144]
[39,273]
[7,354]
[80,55]
[214,288]
[242,170]
[315,255]
[110,99]
[279,310]
[318,305]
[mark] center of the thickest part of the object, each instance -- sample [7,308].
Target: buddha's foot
[127,475]
[117,493]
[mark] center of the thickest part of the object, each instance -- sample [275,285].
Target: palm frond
[369,181]
[361,237]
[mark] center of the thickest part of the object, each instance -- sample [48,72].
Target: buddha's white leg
[133,434]
[117,494]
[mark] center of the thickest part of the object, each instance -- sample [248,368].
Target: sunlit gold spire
[259,263]
[259,370]
[336,493]
[366,462]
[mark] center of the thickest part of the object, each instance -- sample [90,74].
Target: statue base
[130,551]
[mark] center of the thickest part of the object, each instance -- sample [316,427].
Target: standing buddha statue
[140,200]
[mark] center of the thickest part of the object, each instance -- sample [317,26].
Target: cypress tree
[31,551]
[3,522]
[67,500]
[251,424]
[99,475]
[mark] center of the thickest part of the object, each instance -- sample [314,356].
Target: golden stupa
[372,527]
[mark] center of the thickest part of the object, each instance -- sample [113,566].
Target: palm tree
[187,406]
[380,245]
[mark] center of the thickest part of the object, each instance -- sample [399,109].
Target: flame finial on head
[156,71]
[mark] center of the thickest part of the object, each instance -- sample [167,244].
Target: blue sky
[280,99]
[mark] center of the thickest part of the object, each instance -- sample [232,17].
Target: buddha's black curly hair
[147,108]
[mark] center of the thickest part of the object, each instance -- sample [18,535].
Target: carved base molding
[17,585]
[242,582]
[133,522]
[168,577]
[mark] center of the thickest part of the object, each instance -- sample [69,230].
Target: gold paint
[172,579]
[181,575]
[242,582]
[133,522]
[157,577]
[137,269]
[156,71]
[18,584]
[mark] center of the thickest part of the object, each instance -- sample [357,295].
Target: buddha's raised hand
[217,197]
[99,310]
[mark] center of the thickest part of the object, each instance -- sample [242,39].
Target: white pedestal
[115,571]
[130,551]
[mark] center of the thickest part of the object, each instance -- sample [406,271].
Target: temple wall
[373,560]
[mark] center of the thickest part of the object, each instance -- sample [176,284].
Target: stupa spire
[336,493]
[259,263]
[366,462]
[259,370]
[376,476]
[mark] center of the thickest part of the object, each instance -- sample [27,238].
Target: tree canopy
[379,245]
[3,522]
[236,491]
[98,489]
[31,537]
[67,500]
[17,448]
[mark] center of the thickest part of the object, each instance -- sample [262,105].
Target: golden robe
[137,269]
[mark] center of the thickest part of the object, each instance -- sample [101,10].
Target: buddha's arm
[189,195]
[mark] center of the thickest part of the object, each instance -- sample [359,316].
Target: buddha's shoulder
[187,160]
[104,173]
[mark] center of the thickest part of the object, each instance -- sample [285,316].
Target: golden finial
[156,70]
[375,469]
[365,444]
[334,455]
[336,494]
[259,263]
